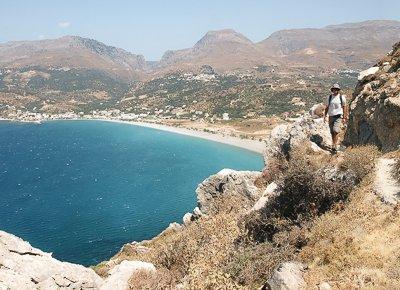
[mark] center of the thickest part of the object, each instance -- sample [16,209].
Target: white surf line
[385,185]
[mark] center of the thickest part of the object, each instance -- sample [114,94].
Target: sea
[82,189]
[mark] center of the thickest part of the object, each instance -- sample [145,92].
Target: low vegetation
[360,160]
[357,247]
[320,218]
[305,192]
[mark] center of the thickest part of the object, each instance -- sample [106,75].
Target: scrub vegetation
[328,223]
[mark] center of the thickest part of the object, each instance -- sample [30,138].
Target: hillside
[222,49]
[338,46]
[224,72]
[71,52]
[335,46]
[308,221]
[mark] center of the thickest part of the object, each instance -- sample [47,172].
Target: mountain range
[345,46]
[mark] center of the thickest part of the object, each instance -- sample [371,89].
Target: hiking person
[336,112]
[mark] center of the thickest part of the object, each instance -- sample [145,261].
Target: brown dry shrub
[253,264]
[197,253]
[305,193]
[273,171]
[101,269]
[357,247]
[360,160]
[151,280]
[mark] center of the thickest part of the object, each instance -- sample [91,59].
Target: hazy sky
[152,27]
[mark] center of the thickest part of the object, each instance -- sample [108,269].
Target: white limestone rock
[371,71]
[227,182]
[120,274]
[268,192]
[24,267]
[324,286]
[288,276]
[283,138]
[187,218]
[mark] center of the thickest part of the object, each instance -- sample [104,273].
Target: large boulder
[288,276]
[375,106]
[227,182]
[305,131]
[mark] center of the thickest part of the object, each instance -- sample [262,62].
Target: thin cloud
[64,24]
[41,36]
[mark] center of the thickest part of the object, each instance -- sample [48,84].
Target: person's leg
[335,139]
[336,128]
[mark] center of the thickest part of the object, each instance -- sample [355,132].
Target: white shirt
[335,107]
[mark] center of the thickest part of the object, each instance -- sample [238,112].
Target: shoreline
[247,144]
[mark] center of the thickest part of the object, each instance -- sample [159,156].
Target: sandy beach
[251,145]
[248,144]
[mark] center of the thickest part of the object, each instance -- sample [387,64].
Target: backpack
[330,99]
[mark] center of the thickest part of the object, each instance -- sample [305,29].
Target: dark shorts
[335,123]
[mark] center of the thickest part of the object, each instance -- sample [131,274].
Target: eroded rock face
[306,131]
[375,107]
[227,182]
[25,267]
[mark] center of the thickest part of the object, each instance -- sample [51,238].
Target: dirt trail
[385,185]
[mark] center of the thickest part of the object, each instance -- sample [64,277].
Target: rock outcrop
[227,182]
[306,131]
[375,107]
[25,267]
[288,276]
[120,274]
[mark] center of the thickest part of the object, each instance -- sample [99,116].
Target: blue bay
[81,189]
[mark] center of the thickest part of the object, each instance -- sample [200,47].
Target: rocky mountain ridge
[334,46]
[72,52]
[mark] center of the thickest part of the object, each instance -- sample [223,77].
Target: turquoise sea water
[81,189]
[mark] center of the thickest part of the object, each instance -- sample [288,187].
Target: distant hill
[72,52]
[352,45]
[76,73]
[222,49]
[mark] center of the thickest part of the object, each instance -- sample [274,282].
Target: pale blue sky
[152,27]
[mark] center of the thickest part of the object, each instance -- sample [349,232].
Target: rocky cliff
[375,107]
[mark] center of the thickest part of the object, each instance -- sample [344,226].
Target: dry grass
[357,247]
[360,160]
[197,254]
